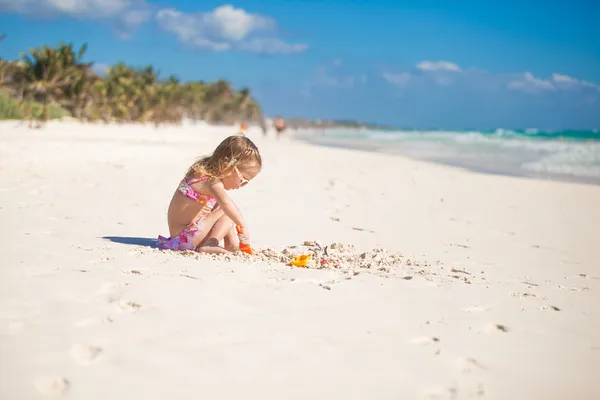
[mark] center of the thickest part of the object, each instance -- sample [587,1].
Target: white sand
[85,317]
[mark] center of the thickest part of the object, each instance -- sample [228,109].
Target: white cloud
[529,83]
[323,77]
[427,75]
[438,66]
[94,8]
[136,17]
[332,74]
[566,81]
[89,9]
[222,29]
[272,46]
[225,28]
[558,78]
[127,14]
[401,79]
[225,23]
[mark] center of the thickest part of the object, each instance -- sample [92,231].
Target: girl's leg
[231,240]
[195,233]
[220,230]
[205,227]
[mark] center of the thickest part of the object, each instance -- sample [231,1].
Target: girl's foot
[231,247]
[212,250]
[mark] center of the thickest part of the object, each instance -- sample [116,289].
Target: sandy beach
[496,296]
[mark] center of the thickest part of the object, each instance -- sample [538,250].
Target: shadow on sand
[136,241]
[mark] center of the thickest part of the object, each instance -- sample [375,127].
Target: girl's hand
[243,234]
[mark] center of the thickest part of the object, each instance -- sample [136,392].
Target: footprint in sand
[12,328]
[550,307]
[111,292]
[424,340]
[82,323]
[441,392]
[52,385]
[451,392]
[131,272]
[85,354]
[465,364]
[493,328]
[475,309]
[129,306]
[523,295]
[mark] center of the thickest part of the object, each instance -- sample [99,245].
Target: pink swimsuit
[184,241]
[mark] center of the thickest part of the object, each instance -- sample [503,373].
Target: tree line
[50,76]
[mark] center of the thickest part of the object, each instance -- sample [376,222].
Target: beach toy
[244,247]
[301,261]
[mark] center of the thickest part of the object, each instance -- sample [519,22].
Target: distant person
[201,214]
[243,128]
[279,125]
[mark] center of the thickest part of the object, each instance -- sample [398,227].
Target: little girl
[201,214]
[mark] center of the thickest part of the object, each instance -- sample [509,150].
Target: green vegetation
[13,109]
[51,82]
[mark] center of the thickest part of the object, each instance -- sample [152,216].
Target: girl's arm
[227,204]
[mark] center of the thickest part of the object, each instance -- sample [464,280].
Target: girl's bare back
[183,210]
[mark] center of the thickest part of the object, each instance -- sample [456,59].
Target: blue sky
[437,64]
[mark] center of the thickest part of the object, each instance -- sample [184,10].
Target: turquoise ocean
[572,155]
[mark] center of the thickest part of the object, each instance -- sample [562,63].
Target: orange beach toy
[301,261]
[244,247]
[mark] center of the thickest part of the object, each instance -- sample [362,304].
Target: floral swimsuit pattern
[184,241]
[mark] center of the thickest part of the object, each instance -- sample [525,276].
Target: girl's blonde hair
[236,150]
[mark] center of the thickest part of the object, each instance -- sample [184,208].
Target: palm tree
[49,73]
[4,71]
[77,95]
[43,76]
[3,64]
[194,95]
[243,96]
[216,98]
[121,92]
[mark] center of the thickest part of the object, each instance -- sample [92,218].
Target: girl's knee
[227,221]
